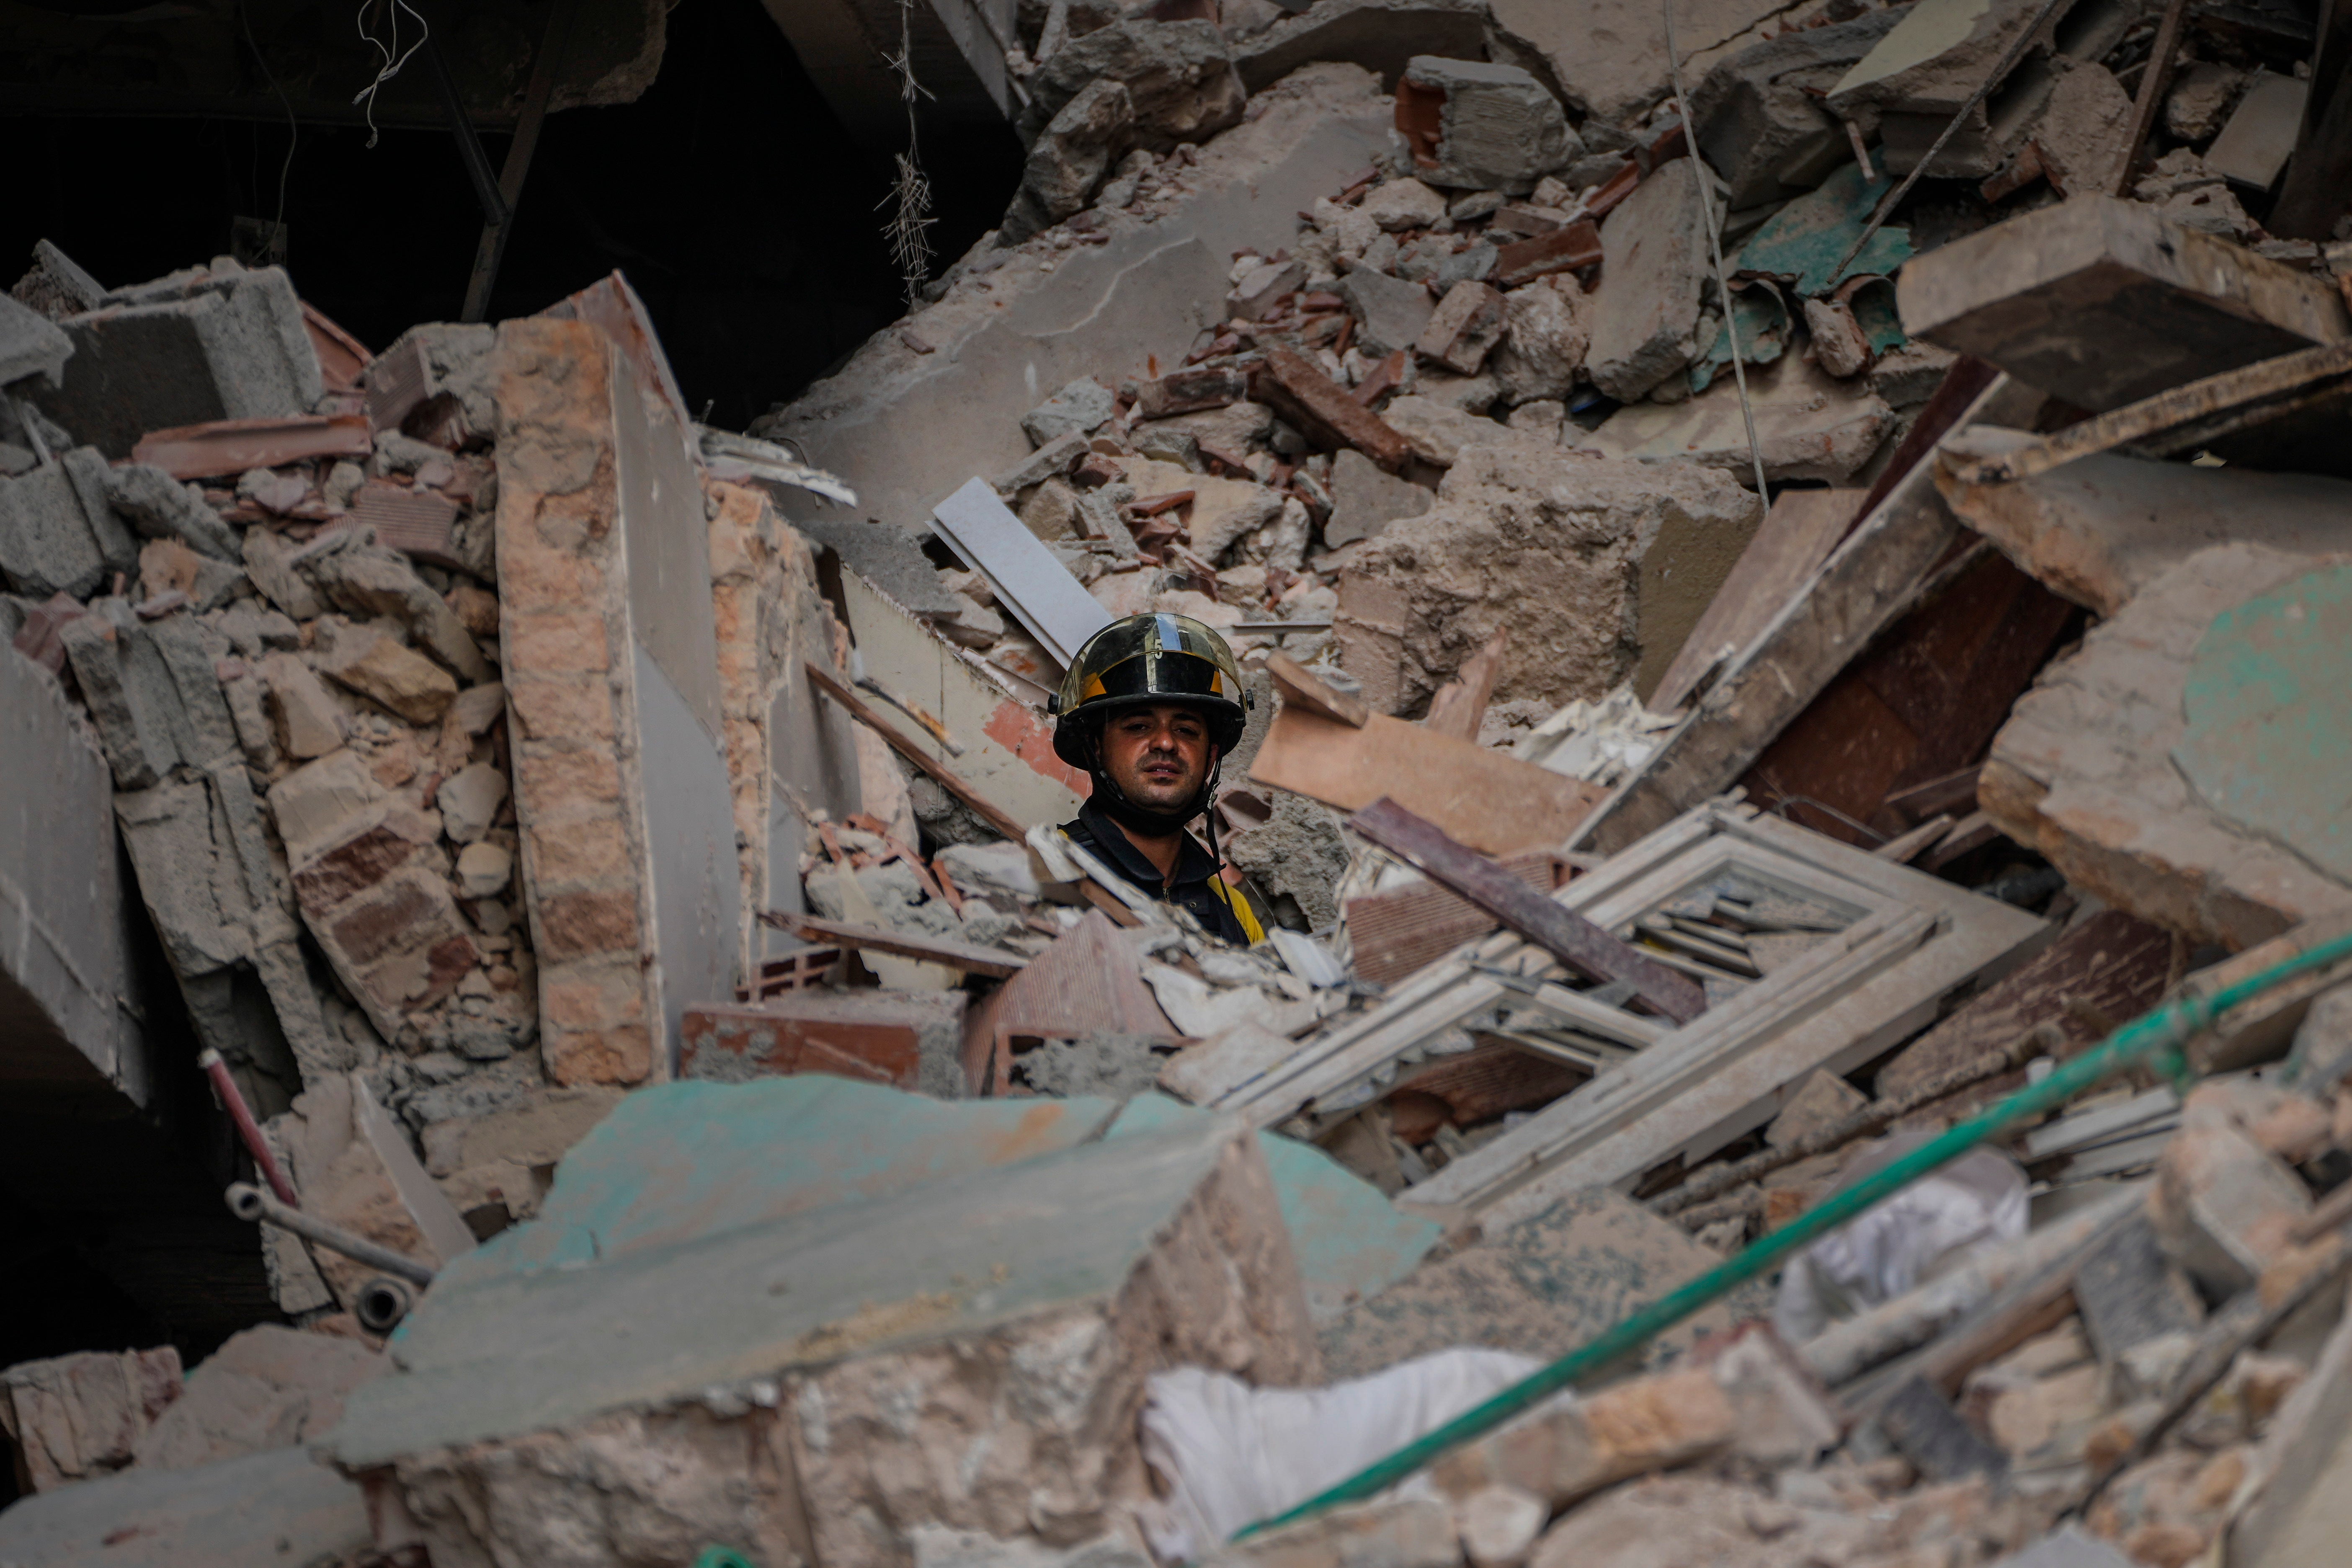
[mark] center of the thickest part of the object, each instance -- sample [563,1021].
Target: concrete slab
[2102,528]
[2084,770]
[274,1507]
[1009,330]
[69,1002]
[963,1352]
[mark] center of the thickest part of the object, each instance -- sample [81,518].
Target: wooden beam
[1301,689]
[1568,936]
[2152,80]
[988,810]
[966,956]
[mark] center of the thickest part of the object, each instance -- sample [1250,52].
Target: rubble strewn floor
[704,1111]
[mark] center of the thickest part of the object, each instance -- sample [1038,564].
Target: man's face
[1158,755]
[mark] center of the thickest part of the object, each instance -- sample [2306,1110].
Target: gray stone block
[86,470]
[1758,113]
[1077,409]
[1389,312]
[160,507]
[2130,1292]
[30,343]
[181,351]
[46,545]
[1482,127]
[1653,261]
[137,738]
[278,1506]
[1179,80]
[1365,499]
[204,731]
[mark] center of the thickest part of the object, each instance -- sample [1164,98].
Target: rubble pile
[1790,800]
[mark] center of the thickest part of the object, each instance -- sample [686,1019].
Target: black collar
[1192,862]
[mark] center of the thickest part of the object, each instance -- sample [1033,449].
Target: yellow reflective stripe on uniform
[1242,912]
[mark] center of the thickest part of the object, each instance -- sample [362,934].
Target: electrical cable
[394,58]
[1715,248]
[293,126]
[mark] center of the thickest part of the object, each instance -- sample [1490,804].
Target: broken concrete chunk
[310,724]
[265,553]
[2202,95]
[1398,1532]
[1631,1429]
[373,663]
[160,507]
[47,544]
[1646,312]
[2084,132]
[484,870]
[124,704]
[369,580]
[2224,1206]
[1365,501]
[1191,390]
[1499,1525]
[1403,203]
[75,1418]
[184,349]
[1607,59]
[469,801]
[2253,147]
[1466,325]
[323,801]
[1437,431]
[1070,158]
[1808,424]
[1078,409]
[1255,289]
[267,1387]
[870,1316]
[1547,328]
[1470,125]
[30,344]
[1822,1102]
[1391,313]
[1178,77]
[1758,113]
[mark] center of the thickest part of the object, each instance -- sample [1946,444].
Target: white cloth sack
[1231,1455]
[1977,1200]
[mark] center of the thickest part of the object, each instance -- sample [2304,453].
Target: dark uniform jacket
[1194,886]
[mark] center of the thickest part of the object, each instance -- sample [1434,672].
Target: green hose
[2158,1037]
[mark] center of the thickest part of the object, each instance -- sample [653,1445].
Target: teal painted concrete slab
[1351,1242]
[2268,703]
[684,1160]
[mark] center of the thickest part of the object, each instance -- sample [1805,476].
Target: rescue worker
[1149,708]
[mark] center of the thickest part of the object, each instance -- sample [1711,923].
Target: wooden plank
[2114,966]
[2166,304]
[1926,700]
[2155,77]
[1458,707]
[1301,689]
[1027,580]
[1395,933]
[1906,848]
[1795,537]
[1494,803]
[2178,417]
[834,687]
[1954,795]
[1569,937]
[969,957]
[1868,583]
[2318,184]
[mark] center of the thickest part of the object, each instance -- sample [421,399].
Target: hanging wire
[909,224]
[1715,248]
[293,126]
[1999,73]
[394,57]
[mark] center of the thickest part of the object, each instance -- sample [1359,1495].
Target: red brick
[351,867]
[391,918]
[575,924]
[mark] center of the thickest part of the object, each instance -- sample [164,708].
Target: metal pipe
[248,1202]
[383,1303]
[2156,1038]
[233,1099]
